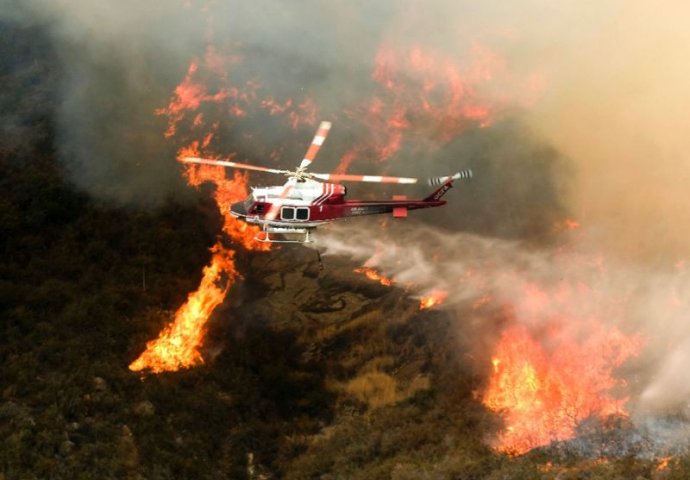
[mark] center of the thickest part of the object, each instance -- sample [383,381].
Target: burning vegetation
[436,297]
[545,385]
[178,344]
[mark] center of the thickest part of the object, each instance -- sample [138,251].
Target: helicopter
[308,200]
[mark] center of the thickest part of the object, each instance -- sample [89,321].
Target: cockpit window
[302,213]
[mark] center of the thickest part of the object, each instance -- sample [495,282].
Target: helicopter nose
[238,209]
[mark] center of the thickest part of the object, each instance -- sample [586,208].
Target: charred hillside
[307,373]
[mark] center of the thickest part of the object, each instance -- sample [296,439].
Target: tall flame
[177,346]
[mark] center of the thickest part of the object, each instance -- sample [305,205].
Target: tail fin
[446,184]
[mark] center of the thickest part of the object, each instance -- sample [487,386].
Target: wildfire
[372,274]
[546,376]
[436,297]
[417,90]
[178,344]
[544,383]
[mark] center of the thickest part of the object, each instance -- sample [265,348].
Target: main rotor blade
[275,206]
[362,178]
[225,163]
[316,143]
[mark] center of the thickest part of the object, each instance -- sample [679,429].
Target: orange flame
[663,463]
[425,90]
[437,297]
[189,95]
[228,191]
[544,384]
[372,274]
[178,344]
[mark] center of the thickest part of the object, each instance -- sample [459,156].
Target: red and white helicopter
[307,200]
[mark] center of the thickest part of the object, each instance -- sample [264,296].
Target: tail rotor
[461,175]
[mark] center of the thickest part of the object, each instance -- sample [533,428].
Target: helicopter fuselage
[310,204]
[308,200]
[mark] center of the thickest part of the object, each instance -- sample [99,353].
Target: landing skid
[284,231]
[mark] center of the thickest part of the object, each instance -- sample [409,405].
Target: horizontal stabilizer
[400,212]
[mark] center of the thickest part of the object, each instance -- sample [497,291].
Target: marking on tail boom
[440,192]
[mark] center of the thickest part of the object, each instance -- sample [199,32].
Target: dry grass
[378,389]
